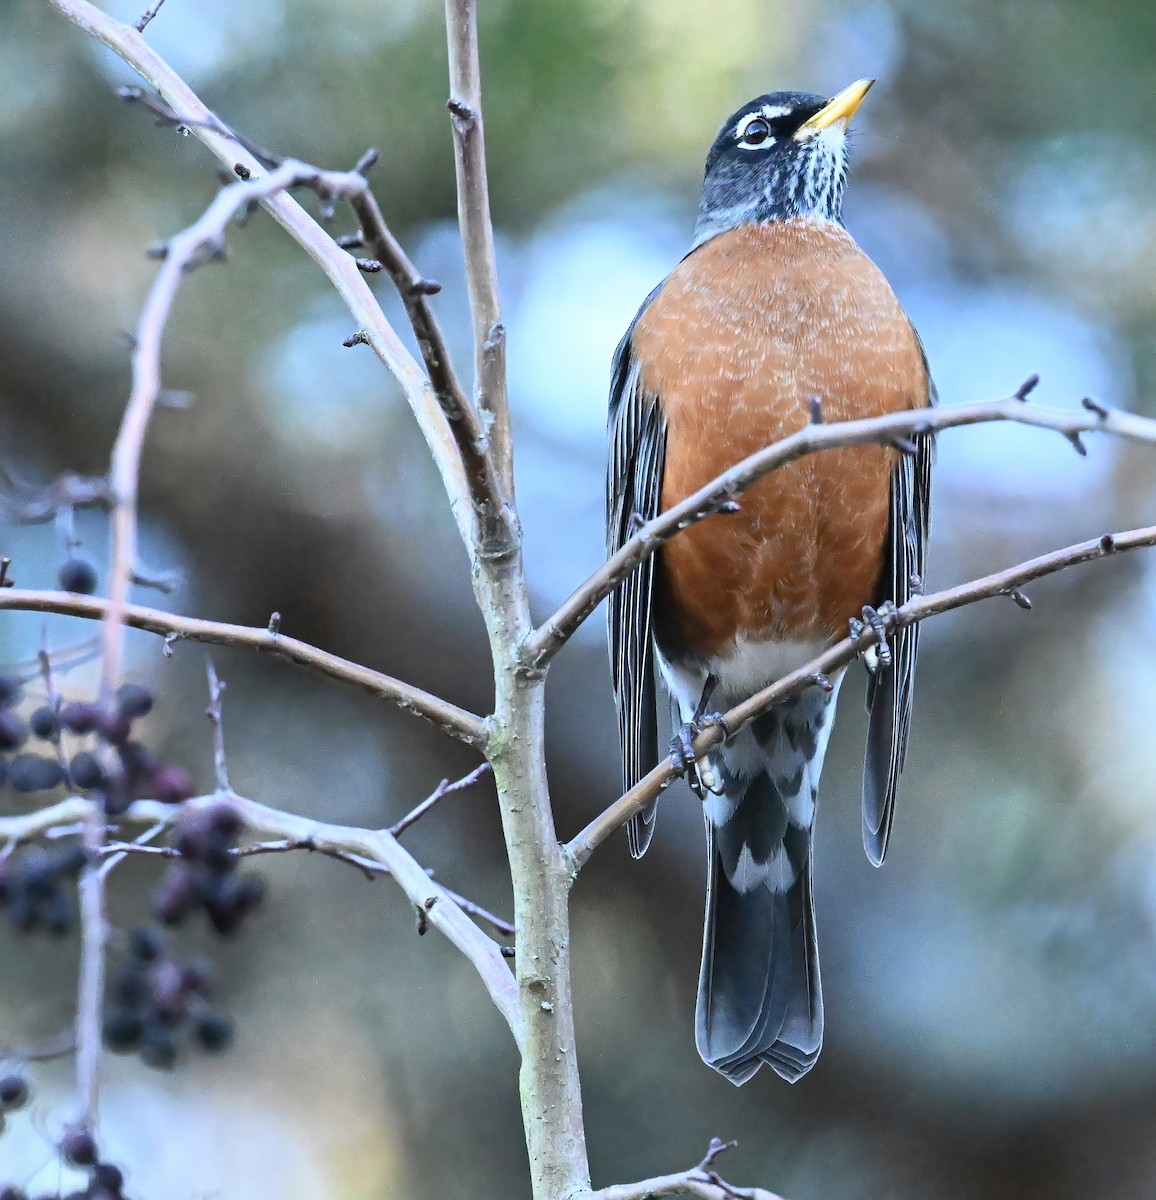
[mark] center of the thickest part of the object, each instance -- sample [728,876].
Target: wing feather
[890,693]
[637,432]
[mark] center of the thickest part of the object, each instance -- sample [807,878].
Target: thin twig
[553,633]
[215,714]
[579,849]
[443,789]
[477,231]
[23,503]
[369,866]
[47,1050]
[702,1181]
[114,853]
[489,491]
[457,722]
[145,17]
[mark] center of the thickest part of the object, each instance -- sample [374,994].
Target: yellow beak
[841,108]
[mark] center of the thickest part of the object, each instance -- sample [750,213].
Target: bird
[775,317]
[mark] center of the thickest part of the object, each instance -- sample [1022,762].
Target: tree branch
[488,490]
[1004,583]
[553,633]
[377,846]
[702,1181]
[465,105]
[342,271]
[457,722]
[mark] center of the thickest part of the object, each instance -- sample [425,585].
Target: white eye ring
[745,124]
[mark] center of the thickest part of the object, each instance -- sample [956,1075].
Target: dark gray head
[782,155]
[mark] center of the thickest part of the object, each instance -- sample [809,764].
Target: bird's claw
[875,619]
[682,752]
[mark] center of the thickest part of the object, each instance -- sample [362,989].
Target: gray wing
[637,433]
[890,693]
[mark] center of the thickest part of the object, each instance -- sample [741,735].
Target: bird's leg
[879,656]
[682,750]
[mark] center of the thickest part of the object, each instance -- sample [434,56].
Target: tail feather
[760,995]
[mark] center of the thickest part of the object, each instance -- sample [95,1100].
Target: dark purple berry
[31,773]
[78,575]
[11,689]
[114,727]
[158,1049]
[214,1032]
[131,989]
[122,1032]
[79,1148]
[79,718]
[71,861]
[13,1092]
[172,785]
[138,762]
[224,823]
[197,978]
[13,731]
[45,723]
[12,1192]
[146,944]
[115,798]
[108,1176]
[133,700]
[58,915]
[85,771]
[176,896]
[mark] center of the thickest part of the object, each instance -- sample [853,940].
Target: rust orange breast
[742,334]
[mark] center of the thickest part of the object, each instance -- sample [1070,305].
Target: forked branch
[457,722]
[465,105]
[702,1181]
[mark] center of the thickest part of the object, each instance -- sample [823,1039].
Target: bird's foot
[879,656]
[700,773]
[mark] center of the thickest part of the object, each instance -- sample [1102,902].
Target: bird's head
[782,155]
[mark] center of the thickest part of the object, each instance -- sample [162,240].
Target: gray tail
[760,998]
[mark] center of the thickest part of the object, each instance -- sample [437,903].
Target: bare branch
[443,789]
[465,105]
[23,503]
[230,150]
[90,986]
[180,252]
[702,1181]
[374,846]
[371,868]
[553,633]
[143,20]
[488,491]
[1003,583]
[215,713]
[47,1050]
[457,722]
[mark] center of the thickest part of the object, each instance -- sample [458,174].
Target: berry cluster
[105,1179]
[32,891]
[78,1149]
[117,769]
[156,999]
[206,877]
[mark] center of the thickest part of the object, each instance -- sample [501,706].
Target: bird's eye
[754,132]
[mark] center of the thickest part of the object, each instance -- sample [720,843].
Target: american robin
[773,305]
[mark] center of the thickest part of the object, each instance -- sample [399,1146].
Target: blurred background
[991,993]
